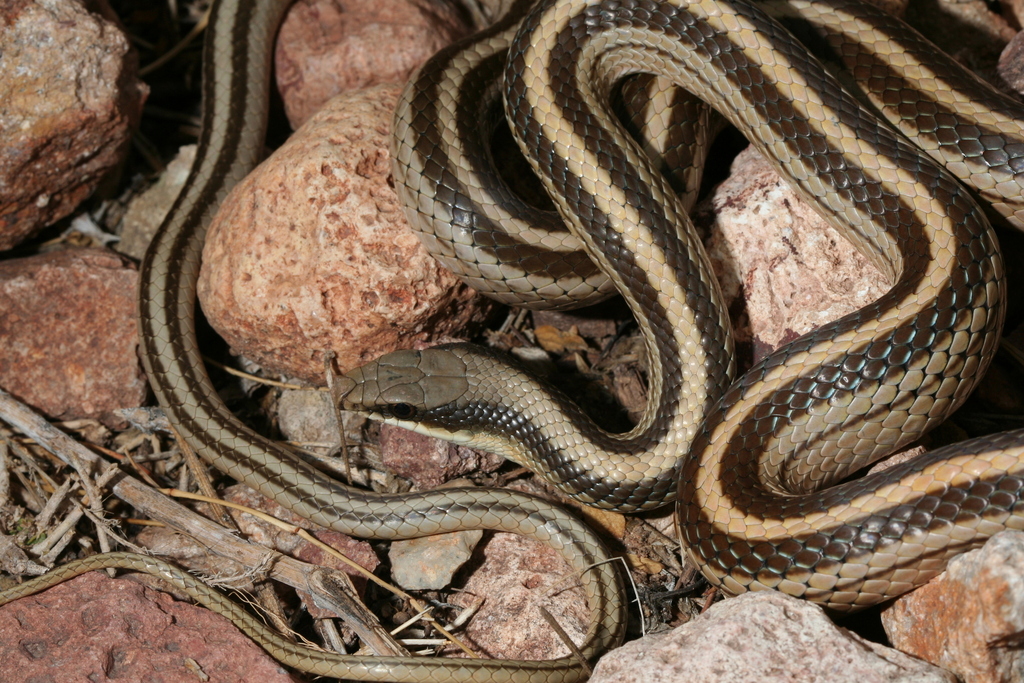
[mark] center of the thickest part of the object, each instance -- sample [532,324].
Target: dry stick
[15,561]
[199,471]
[287,570]
[336,405]
[564,637]
[257,379]
[333,552]
[5,476]
[44,516]
[28,458]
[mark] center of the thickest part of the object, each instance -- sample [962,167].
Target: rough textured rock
[1011,63]
[308,416]
[969,619]
[761,638]
[94,628]
[69,99]
[68,340]
[429,563]
[311,252]
[767,245]
[148,210]
[516,576]
[327,47]
[430,462]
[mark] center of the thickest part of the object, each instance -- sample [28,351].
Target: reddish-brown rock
[970,618]
[311,252]
[69,99]
[327,47]
[430,462]
[68,339]
[94,628]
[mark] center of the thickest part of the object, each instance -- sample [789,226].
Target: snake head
[406,387]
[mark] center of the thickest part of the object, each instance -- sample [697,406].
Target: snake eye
[403,411]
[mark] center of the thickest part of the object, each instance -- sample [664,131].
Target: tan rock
[517,576]
[147,211]
[763,637]
[311,252]
[969,619]
[327,47]
[69,99]
[429,563]
[768,246]
[94,628]
[68,339]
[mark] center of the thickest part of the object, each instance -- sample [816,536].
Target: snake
[757,466]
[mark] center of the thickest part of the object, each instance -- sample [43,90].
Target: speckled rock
[94,628]
[970,618]
[769,247]
[327,47]
[516,575]
[763,637]
[68,338]
[312,252]
[69,99]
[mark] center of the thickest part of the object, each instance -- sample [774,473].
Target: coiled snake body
[752,466]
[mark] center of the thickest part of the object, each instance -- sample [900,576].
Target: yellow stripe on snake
[753,465]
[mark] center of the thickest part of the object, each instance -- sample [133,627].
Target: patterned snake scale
[753,466]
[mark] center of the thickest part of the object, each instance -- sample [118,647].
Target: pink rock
[69,99]
[763,637]
[969,619]
[768,246]
[94,628]
[517,576]
[68,340]
[312,252]
[327,47]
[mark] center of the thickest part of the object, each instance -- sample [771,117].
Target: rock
[761,638]
[98,629]
[1011,63]
[327,47]
[517,575]
[68,339]
[147,211]
[429,462]
[429,563]
[767,245]
[307,417]
[69,99]
[311,252]
[969,619]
